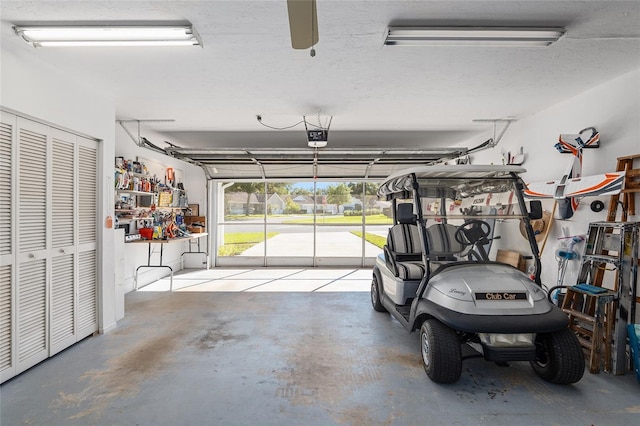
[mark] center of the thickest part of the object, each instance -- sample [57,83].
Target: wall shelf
[142,201]
[129,191]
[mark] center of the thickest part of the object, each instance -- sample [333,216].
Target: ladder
[591,313]
[609,245]
[626,198]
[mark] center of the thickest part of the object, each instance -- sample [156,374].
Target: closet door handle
[32,256]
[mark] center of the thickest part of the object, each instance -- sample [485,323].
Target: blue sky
[309,185]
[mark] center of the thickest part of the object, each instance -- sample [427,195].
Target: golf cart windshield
[472,198]
[477,208]
[458,191]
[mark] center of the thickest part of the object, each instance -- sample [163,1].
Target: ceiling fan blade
[303,23]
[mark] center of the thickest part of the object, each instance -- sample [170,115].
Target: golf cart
[440,273]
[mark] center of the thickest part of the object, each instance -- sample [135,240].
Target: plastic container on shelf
[146,233]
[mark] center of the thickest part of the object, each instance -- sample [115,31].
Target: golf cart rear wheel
[441,353]
[559,357]
[375,295]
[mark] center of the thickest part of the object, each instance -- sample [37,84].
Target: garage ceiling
[401,98]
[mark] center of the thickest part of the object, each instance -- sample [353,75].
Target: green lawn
[378,219]
[374,239]
[236,243]
[237,217]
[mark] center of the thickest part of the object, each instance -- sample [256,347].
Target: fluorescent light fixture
[109,35]
[472,36]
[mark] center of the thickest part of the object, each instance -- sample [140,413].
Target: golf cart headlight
[495,339]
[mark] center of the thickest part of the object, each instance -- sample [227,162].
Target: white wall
[196,185]
[29,87]
[613,108]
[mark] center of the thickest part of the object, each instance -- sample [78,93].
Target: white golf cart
[439,273]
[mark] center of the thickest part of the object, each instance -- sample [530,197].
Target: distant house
[306,204]
[371,202]
[384,206]
[354,204]
[237,203]
[275,203]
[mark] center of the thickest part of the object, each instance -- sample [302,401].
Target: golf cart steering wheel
[472,232]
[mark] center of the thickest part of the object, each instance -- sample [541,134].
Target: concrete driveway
[334,244]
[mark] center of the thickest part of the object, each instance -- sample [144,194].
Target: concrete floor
[228,348]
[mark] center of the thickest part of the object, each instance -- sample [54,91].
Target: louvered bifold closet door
[7,254]
[7,366]
[87,218]
[31,298]
[62,304]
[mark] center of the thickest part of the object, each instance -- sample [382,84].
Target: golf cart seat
[442,243]
[403,251]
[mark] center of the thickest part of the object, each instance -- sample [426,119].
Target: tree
[301,191]
[258,188]
[291,207]
[369,188]
[249,188]
[279,188]
[338,194]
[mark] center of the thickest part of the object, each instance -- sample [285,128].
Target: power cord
[259,118]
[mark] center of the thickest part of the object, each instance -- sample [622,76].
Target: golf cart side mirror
[535,209]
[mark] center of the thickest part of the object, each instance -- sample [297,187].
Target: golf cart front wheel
[559,357]
[441,353]
[375,295]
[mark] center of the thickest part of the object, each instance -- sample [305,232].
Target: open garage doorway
[301,223]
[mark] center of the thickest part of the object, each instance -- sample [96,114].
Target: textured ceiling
[414,97]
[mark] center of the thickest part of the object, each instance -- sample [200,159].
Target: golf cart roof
[401,182]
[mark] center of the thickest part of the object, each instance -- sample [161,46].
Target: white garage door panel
[6,335]
[6,193]
[32,188]
[32,314]
[7,246]
[62,209]
[87,237]
[31,292]
[62,303]
[87,294]
[87,197]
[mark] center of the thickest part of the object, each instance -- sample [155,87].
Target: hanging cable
[308,123]
[313,20]
[259,118]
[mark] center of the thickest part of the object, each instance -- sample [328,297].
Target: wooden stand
[591,313]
